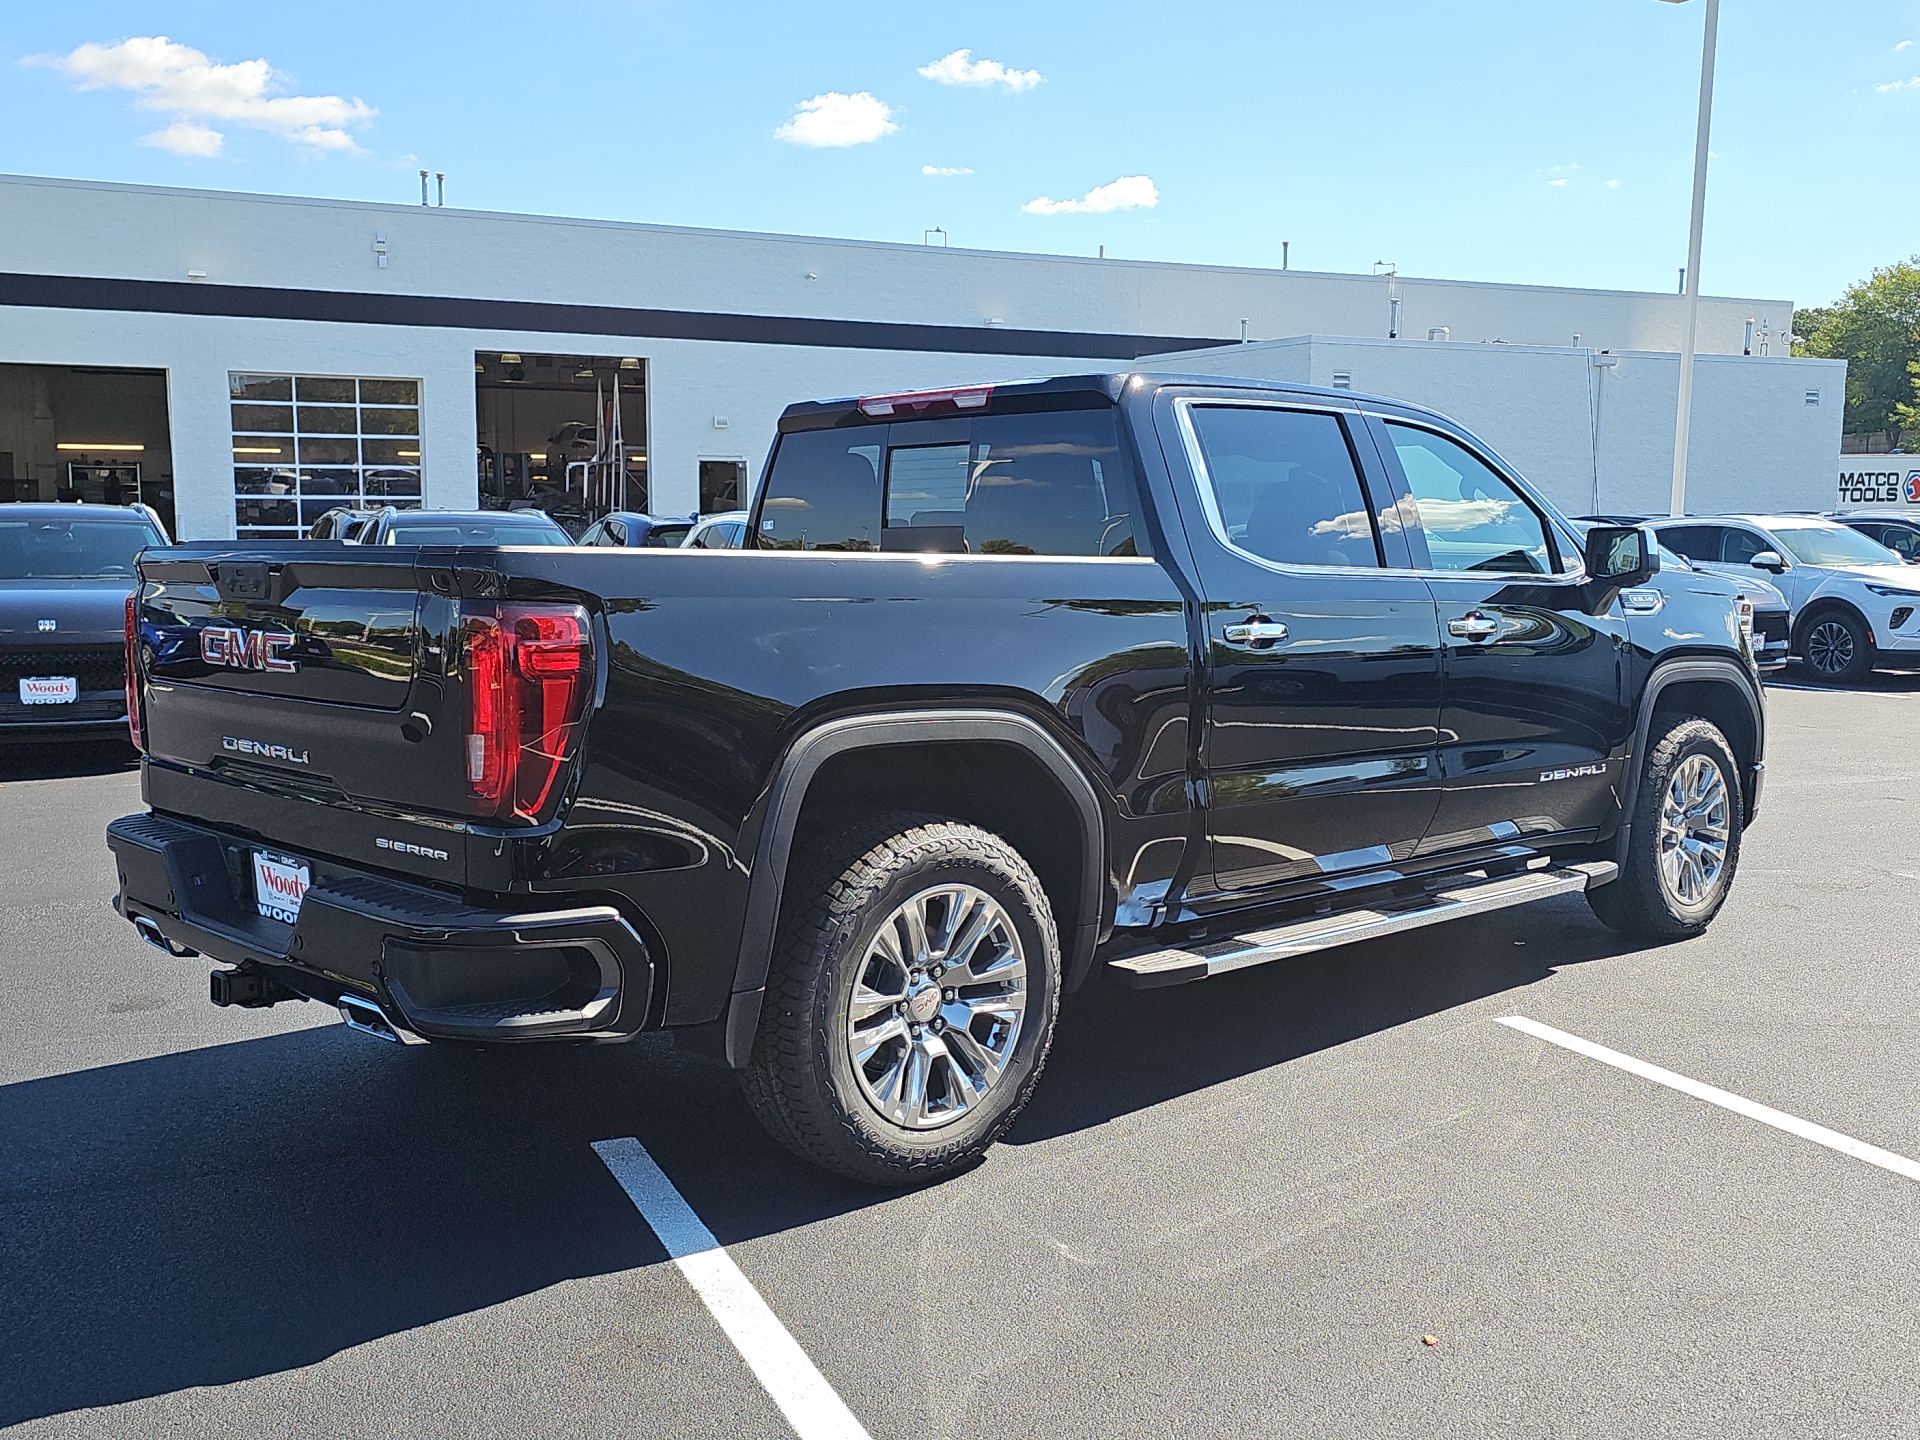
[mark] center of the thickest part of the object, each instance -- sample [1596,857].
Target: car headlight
[1890,590]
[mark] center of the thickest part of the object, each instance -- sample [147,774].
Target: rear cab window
[1054,483]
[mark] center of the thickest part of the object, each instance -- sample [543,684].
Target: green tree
[1875,328]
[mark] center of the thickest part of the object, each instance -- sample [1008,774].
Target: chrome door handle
[1473,626]
[1255,634]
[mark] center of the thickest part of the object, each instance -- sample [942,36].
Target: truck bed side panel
[720,658]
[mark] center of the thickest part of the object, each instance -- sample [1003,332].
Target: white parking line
[1725,1099]
[810,1404]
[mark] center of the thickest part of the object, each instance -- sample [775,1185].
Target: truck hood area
[82,611]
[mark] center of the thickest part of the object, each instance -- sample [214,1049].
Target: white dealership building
[246,361]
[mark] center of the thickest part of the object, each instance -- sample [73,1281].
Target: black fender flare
[788,792]
[1730,673]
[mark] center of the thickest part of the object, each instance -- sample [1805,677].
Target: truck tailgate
[303,693]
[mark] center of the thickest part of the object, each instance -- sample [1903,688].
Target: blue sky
[1491,139]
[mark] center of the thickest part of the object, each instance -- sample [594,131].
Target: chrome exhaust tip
[369,1019]
[150,932]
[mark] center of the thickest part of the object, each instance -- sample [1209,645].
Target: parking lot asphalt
[1237,1208]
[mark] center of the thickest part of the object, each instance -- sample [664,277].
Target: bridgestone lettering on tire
[910,1003]
[1684,844]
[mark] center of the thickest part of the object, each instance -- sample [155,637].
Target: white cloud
[1561,183]
[183,137]
[1613,184]
[945,170]
[1129,192]
[960,68]
[182,83]
[1910,84]
[1903,45]
[834,121]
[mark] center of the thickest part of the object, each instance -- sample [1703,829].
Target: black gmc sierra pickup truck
[1159,676]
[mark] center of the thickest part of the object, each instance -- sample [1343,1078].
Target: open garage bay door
[95,434]
[541,445]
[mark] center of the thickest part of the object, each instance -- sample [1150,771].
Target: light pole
[1678,503]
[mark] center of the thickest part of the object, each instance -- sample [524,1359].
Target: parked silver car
[1853,602]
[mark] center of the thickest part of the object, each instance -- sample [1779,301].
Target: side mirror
[1768,560]
[1622,555]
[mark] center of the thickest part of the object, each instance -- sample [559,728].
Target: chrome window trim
[1185,405]
[1203,486]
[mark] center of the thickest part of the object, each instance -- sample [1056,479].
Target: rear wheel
[1685,840]
[910,1004]
[1836,648]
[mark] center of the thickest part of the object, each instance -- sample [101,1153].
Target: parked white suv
[1853,601]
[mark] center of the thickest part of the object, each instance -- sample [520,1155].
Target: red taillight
[964,397]
[529,670]
[134,728]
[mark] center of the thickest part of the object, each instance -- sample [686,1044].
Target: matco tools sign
[1889,480]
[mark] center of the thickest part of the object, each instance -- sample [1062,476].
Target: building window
[721,482]
[305,444]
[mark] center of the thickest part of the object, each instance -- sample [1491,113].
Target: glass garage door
[304,444]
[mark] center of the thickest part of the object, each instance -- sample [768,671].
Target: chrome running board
[1204,959]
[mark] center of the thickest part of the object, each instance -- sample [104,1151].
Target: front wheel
[1684,844]
[1837,649]
[910,1004]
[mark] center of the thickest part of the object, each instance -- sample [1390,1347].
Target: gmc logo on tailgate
[239,649]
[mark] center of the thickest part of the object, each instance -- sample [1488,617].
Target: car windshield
[1832,545]
[667,537]
[444,530]
[71,549]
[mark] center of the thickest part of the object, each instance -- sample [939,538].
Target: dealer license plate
[49,689]
[279,885]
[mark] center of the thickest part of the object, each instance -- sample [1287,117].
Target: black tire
[1836,648]
[801,1079]
[1645,901]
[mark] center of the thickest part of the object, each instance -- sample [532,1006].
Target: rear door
[1322,648]
[1533,725]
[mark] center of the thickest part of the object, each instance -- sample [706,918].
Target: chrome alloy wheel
[937,1006]
[1695,827]
[1830,647]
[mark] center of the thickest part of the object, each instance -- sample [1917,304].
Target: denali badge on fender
[256,747]
[404,848]
[240,649]
[1570,772]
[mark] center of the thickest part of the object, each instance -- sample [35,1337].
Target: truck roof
[1040,393]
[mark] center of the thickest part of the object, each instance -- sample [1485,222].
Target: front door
[1322,662]
[1533,728]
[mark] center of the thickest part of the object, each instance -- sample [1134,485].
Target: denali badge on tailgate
[241,649]
[260,747]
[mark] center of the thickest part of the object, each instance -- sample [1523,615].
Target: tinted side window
[1286,485]
[1696,542]
[1473,519]
[1047,484]
[1740,546]
[823,492]
[1055,484]
[1902,541]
